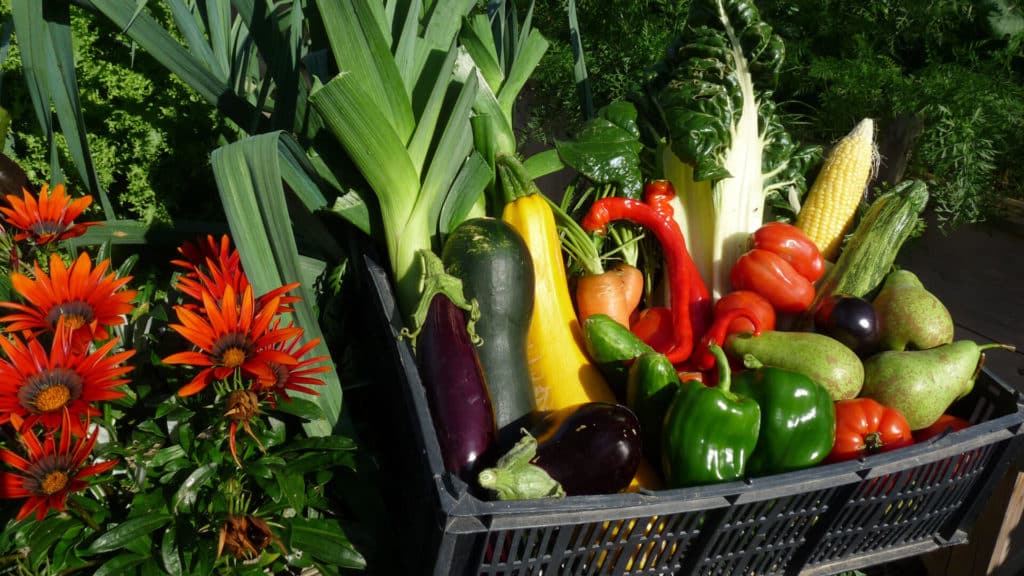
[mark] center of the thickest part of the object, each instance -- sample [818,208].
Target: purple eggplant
[460,404]
[591,448]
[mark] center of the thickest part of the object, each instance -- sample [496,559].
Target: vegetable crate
[821,520]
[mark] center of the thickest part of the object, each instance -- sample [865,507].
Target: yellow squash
[561,372]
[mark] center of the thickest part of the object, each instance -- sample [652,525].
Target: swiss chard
[721,140]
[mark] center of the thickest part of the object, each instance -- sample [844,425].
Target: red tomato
[946,422]
[863,427]
[793,245]
[750,301]
[772,277]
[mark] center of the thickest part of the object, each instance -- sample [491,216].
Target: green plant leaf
[362,51]
[120,564]
[127,531]
[159,43]
[249,176]
[169,557]
[327,443]
[186,495]
[465,192]
[305,409]
[324,540]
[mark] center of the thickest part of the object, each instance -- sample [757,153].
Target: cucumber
[494,264]
[868,255]
[612,346]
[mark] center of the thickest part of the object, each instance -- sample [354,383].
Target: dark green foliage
[149,134]
[621,40]
[957,66]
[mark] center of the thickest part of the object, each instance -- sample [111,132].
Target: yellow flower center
[54,482]
[53,398]
[233,357]
[73,321]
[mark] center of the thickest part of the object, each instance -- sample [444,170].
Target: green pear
[909,316]
[922,384]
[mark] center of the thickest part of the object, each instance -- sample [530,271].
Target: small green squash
[493,262]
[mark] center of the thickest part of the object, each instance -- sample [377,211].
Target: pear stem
[1009,347]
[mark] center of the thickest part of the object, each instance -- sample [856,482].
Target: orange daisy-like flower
[230,335]
[298,376]
[86,299]
[60,386]
[50,473]
[48,219]
[213,266]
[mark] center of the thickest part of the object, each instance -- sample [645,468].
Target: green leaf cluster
[956,68]
[148,133]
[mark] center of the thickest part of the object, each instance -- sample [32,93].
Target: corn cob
[831,204]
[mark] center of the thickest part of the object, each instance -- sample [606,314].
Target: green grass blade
[249,176]
[64,91]
[196,41]
[423,137]
[159,43]
[580,67]
[363,52]
[354,118]
[32,33]
[473,178]
[478,40]
[454,145]
[522,69]
[407,46]
[444,21]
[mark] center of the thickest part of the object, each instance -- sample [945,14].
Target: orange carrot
[614,292]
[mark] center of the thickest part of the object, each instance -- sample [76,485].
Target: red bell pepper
[685,290]
[793,245]
[772,277]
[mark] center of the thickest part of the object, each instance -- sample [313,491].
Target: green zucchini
[494,264]
[868,254]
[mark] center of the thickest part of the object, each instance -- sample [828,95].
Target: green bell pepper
[709,433]
[651,384]
[798,418]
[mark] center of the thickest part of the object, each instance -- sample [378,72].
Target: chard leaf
[607,149]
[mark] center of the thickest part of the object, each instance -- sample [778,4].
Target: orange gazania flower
[50,472]
[48,219]
[86,299]
[214,265]
[60,386]
[296,377]
[230,335]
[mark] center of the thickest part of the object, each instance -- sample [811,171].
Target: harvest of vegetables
[705,311]
[654,284]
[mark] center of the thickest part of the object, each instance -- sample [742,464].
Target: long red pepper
[658,194]
[665,229]
[703,359]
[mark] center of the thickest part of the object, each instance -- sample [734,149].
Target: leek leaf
[249,176]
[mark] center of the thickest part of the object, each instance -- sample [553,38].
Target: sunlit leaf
[249,178]
[127,531]
[120,564]
[326,541]
[185,497]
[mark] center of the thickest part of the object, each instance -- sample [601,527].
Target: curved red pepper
[704,360]
[665,229]
[658,194]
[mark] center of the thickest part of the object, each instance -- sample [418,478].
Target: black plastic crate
[822,520]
